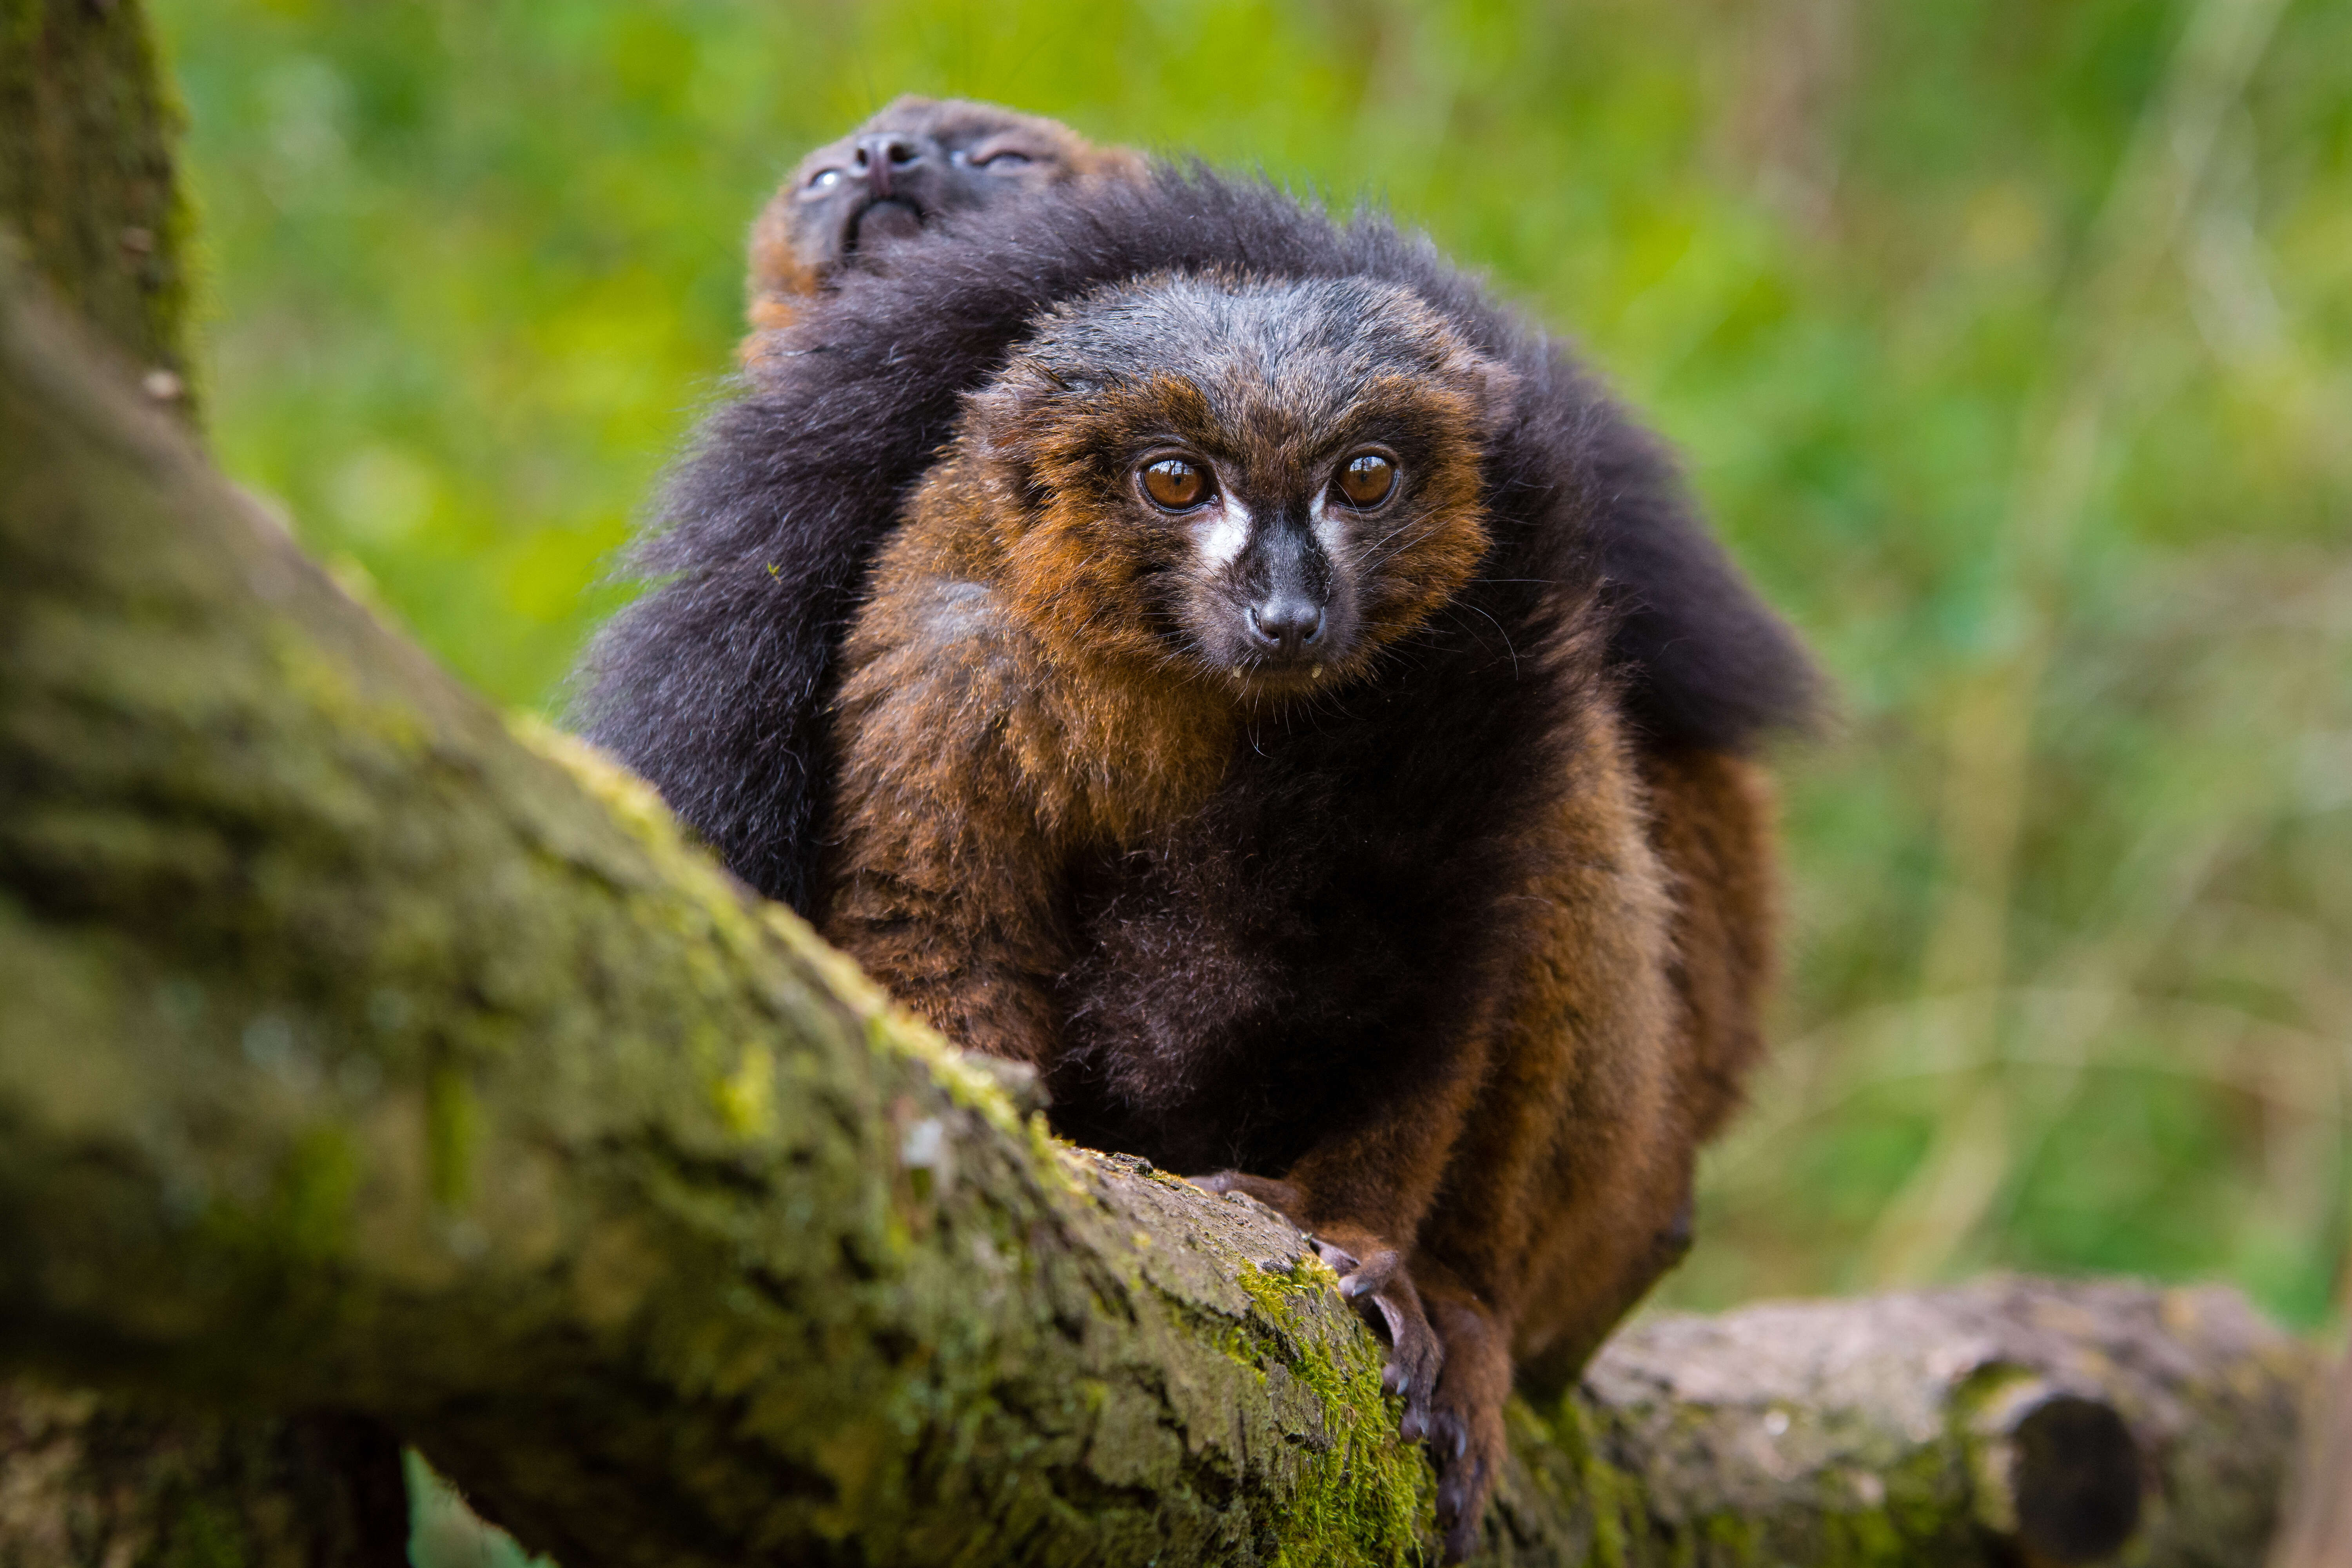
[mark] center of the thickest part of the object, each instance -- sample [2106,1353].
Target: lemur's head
[917,159]
[1260,483]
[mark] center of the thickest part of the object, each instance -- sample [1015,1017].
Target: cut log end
[2058,1473]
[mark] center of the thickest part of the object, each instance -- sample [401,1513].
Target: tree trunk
[2006,1421]
[87,124]
[87,197]
[368,1050]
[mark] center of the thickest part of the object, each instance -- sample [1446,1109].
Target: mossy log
[366,1051]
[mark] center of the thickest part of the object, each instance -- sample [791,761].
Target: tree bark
[2318,1529]
[2010,1420]
[86,185]
[88,1479]
[366,1049]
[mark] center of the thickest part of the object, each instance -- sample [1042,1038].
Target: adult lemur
[1213,654]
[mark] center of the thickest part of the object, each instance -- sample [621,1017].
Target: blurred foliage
[2007,340]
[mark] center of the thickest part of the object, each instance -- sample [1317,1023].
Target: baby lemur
[916,160]
[1168,637]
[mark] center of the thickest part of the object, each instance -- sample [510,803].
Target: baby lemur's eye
[825,179]
[1173,483]
[1006,161]
[1366,479]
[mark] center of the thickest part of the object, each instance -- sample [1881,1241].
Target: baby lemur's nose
[1286,623]
[883,155]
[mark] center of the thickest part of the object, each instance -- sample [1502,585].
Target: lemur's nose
[883,154]
[1285,623]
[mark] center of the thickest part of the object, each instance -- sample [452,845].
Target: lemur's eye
[1005,162]
[825,179]
[1366,479]
[1175,484]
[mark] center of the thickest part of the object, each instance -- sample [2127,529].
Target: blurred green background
[2009,343]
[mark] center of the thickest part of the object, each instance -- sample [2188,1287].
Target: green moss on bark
[1371,1499]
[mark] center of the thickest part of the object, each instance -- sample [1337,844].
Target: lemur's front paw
[1279,1196]
[1372,1274]
[1466,1433]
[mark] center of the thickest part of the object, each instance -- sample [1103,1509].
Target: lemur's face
[1261,484]
[917,159]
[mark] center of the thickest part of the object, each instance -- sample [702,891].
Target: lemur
[1212,653]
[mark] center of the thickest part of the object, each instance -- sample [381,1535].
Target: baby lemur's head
[1259,482]
[916,160]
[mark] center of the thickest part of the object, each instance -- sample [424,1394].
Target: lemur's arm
[1363,1189]
[941,877]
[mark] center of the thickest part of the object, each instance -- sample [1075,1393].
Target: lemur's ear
[1003,420]
[1495,388]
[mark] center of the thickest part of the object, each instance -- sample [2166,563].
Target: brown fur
[1714,828]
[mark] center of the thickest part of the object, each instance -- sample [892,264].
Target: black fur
[714,685]
[1312,948]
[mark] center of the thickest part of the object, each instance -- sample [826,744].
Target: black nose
[1286,623]
[882,157]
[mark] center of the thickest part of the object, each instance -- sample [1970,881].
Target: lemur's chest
[1111,758]
[1237,977]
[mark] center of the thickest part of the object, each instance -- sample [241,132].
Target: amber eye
[1366,479]
[1176,484]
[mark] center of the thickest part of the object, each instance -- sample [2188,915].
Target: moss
[166,290]
[1620,1509]
[1370,1496]
[747,1096]
[749,925]
[1730,1539]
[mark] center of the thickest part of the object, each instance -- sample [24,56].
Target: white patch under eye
[1330,531]
[1225,538]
